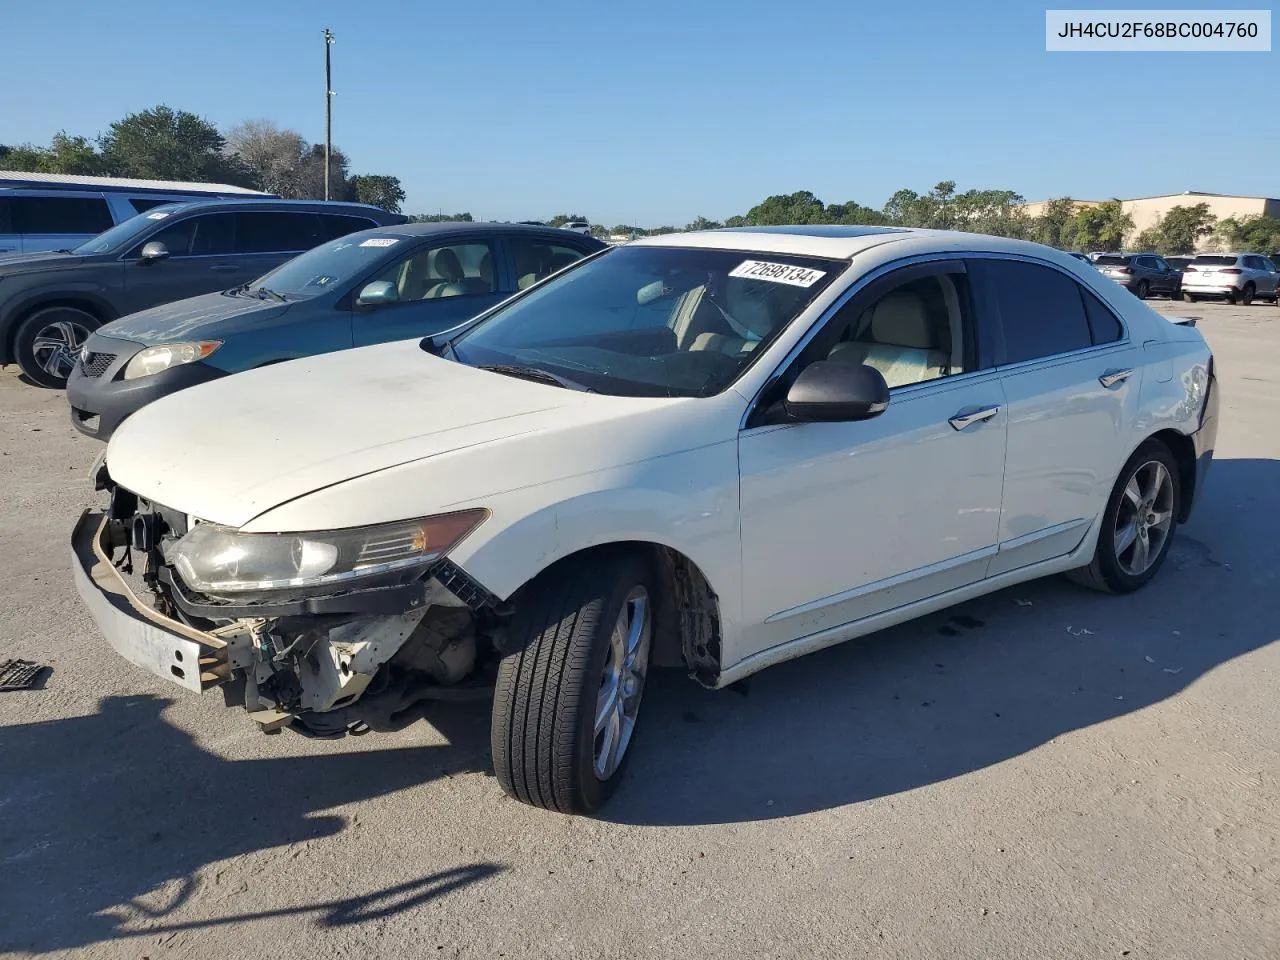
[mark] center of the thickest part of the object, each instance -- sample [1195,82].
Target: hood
[40,262]
[210,316]
[229,450]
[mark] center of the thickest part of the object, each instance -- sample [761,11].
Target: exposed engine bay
[326,662]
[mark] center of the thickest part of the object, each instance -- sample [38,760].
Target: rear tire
[1190,297]
[1141,492]
[1141,290]
[49,340]
[1246,295]
[582,630]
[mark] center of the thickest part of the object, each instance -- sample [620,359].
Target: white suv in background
[1239,277]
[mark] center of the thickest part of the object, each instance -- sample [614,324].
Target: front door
[201,260]
[841,521]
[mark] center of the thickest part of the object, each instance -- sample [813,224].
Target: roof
[482,226]
[25,178]
[1201,193]
[843,243]
[275,203]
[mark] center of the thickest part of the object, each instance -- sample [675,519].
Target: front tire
[566,702]
[1190,297]
[1138,524]
[49,340]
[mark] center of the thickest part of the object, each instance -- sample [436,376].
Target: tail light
[1233,271]
[1125,270]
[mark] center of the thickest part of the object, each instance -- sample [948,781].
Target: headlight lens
[165,355]
[221,560]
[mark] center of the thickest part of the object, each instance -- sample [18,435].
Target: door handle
[1113,378]
[962,420]
[223,267]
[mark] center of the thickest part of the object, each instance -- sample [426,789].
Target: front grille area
[95,364]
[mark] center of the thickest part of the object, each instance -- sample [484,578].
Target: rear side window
[1103,324]
[6,223]
[1041,310]
[267,232]
[47,215]
[334,225]
[536,259]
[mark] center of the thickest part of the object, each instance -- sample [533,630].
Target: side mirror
[836,390]
[378,292]
[154,251]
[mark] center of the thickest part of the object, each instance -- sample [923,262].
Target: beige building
[1147,211]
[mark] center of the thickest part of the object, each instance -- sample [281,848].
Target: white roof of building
[173,186]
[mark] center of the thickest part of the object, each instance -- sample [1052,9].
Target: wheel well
[1184,452]
[686,612]
[89,306]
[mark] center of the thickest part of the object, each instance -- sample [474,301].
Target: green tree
[1101,227]
[799,207]
[1260,234]
[440,218]
[853,213]
[378,189]
[560,219]
[1181,229]
[1149,239]
[702,223]
[1055,226]
[65,154]
[167,144]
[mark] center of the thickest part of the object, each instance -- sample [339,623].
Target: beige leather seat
[448,268]
[901,341]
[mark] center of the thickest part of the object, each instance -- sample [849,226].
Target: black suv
[50,302]
[1142,273]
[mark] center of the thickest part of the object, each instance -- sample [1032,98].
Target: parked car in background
[577,226]
[1142,274]
[1235,277]
[1080,256]
[718,450]
[384,284]
[47,211]
[1179,263]
[50,302]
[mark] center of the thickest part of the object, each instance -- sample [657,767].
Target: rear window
[52,215]
[1211,261]
[1113,261]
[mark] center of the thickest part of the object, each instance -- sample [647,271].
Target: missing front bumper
[169,649]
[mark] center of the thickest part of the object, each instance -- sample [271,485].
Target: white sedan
[718,450]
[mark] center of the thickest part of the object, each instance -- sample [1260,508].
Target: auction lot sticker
[777,273]
[379,242]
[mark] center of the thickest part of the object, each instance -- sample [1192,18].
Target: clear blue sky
[657,111]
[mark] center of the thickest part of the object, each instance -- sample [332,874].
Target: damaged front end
[332,631]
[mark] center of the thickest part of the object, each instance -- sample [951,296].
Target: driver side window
[911,333]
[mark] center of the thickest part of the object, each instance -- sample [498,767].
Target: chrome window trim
[942,255]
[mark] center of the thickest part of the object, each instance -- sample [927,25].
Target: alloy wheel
[618,701]
[55,346]
[1145,518]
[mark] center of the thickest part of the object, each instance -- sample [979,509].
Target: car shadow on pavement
[99,812]
[966,688]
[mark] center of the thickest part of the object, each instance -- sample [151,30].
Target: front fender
[48,291]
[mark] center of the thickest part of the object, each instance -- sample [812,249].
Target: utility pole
[328,108]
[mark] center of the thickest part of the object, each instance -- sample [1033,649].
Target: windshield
[651,321]
[318,270]
[124,232]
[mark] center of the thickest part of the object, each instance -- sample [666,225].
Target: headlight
[165,355]
[219,560]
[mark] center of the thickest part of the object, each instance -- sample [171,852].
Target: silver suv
[1237,277]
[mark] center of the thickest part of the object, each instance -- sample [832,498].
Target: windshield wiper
[536,374]
[265,293]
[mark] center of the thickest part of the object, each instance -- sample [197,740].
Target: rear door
[264,239]
[1071,380]
[440,284]
[58,222]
